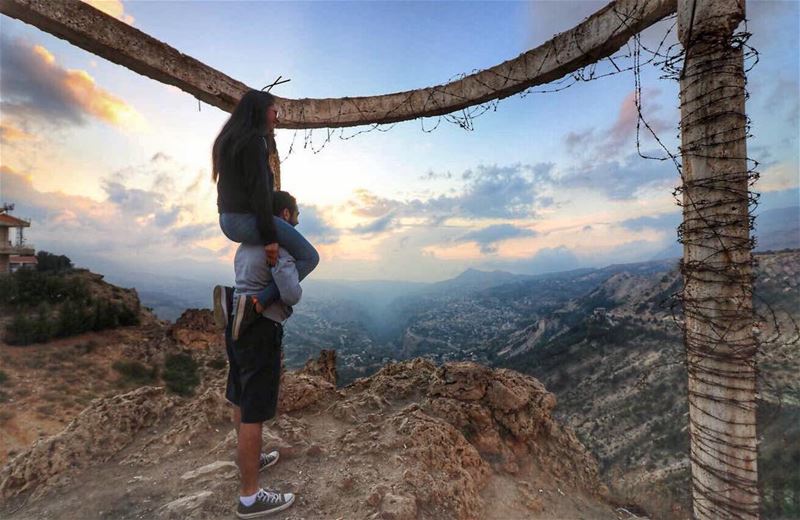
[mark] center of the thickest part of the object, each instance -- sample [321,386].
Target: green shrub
[134,372]
[217,363]
[50,262]
[30,288]
[3,377]
[24,330]
[180,374]
[74,311]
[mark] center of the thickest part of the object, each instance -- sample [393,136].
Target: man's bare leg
[249,451]
[236,418]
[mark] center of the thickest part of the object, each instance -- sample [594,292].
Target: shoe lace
[264,458]
[269,496]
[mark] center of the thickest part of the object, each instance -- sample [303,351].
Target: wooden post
[717,270]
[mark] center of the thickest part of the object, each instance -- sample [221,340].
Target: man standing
[255,361]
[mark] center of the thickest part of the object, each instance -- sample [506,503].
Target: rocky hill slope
[414,441]
[614,358]
[45,385]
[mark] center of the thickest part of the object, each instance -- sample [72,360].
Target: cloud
[378,225]
[625,125]
[193,232]
[549,18]
[601,142]
[132,226]
[113,8]
[10,133]
[621,179]
[499,192]
[367,204]
[431,176]
[784,100]
[315,227]
[513,191]
[576,141]
[667,221]
[488,237]
[133,201]
[34,85]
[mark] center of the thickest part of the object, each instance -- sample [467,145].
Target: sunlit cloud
[131,221]
[36,87]
[9,133]
[113,8]
[101,103]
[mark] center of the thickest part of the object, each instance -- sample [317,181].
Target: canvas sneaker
[267,502]
[244,315]
[267,459]
[223,303]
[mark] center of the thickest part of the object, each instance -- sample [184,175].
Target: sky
[113,167]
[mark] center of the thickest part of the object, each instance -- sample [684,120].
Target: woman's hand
[272,253]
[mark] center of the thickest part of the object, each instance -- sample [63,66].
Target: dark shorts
[254,374]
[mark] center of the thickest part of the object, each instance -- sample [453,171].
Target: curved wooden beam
[597,37]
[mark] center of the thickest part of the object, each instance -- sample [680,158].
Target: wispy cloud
[10,133]
[488,237]
[378,225]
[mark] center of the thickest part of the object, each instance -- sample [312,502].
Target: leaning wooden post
[717,270]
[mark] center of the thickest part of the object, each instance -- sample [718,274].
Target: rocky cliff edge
[414,441]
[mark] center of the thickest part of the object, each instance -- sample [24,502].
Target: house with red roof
[16,248]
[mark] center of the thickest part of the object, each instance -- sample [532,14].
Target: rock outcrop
[324,366]
[414,441]
[98,433]
[195,329]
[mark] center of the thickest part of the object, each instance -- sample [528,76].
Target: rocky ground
[414,441]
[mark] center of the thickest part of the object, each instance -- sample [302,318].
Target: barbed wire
[623,61]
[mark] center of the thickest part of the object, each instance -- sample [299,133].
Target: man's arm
[287,279]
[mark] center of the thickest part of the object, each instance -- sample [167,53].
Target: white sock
[248,501]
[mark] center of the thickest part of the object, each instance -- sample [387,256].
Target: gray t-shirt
[253,274]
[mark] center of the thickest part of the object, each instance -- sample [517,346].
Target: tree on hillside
[50,262]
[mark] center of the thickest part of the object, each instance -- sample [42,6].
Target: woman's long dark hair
[249,118]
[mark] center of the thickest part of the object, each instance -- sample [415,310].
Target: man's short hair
[282,200]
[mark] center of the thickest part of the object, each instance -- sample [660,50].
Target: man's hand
[272,253]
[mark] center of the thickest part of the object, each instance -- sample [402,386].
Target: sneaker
[267,502]
[267,459]
[244,315]
[222,305]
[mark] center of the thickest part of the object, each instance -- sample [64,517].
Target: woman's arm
[257,179]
